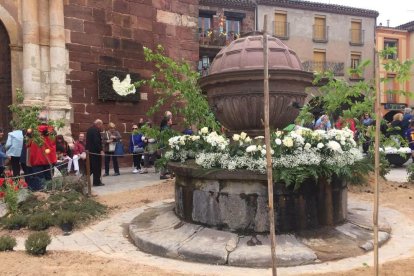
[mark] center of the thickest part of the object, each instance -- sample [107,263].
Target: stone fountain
[221,216]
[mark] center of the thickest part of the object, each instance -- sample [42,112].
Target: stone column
[44,36]
[31,53]
[58,64]
[59,106]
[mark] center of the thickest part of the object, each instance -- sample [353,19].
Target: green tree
[26,117]
[177,85]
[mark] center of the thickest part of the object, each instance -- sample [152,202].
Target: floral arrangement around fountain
[296,155]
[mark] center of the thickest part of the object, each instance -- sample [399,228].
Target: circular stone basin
[237,200]
[234,86]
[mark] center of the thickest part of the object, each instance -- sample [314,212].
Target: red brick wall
[110,34]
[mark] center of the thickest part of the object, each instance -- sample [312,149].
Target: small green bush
[7,243]
[14,222]
[40,221]
[410,172]
[36,243]
[66,217]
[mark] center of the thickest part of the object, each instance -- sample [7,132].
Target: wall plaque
[107,93]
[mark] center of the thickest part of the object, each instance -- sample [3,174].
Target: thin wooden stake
[377,160]
[268,149]
[88,173]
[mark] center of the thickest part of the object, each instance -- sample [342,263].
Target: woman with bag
[110,138]
[137,147]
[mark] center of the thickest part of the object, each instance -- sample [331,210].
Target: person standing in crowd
[367,121]
[136,147]
[94,146]
[63,151]
[14,147]
[405,124]
[410,136]
[323,123]
[165,126]
[110,138]
[79,155]
[24,159]
[43,157]
[3,155]
[395,127]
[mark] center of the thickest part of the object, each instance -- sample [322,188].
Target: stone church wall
[110,34]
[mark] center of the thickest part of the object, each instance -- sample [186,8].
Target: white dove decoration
[123,88]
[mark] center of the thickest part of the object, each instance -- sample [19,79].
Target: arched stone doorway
[5,79]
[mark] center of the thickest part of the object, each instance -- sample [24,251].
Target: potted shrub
[66,221]
[396,150]
[37,242]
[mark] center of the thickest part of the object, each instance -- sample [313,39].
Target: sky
[397,11]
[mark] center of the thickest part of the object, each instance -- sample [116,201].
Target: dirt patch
[123,201]
[72,263]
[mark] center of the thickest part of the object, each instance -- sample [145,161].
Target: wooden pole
[88,173]
[268,149]
[377,159]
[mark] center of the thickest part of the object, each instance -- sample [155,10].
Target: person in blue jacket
[137,147]
[14,147]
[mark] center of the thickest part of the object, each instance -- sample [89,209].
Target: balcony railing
[216,38]
[281,29]
[320,33]
[356,37]
[315,66]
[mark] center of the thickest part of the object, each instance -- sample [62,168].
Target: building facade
[324,36]
[219,23]
[61,53]
[392,103]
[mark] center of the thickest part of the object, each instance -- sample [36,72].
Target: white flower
[278,141]
[335,146]
[288,142]
[307,146]
[251,148]
[320,145]
[204,130]
[123,88]
[243,135]
[195,137]
[263,151]
[259,137]
[279,133]
[248,139]
[236,137]
[404,150]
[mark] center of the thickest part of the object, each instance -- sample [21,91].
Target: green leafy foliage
[67,217]
[14,222]
[26,117]
[40,221]
[410,172]
[7,243]
[37,243]
[177,85]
